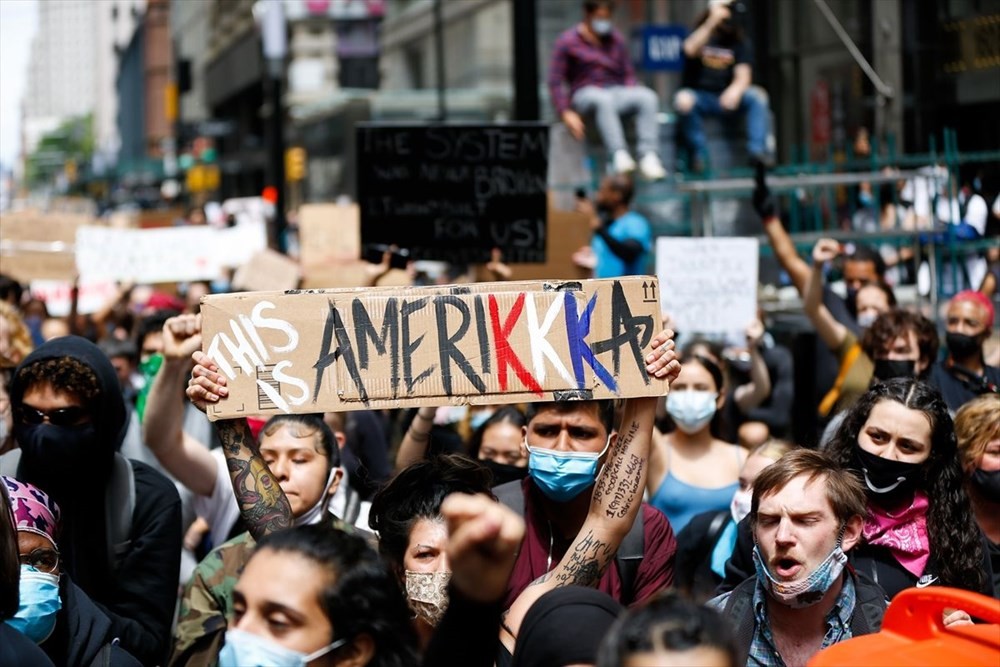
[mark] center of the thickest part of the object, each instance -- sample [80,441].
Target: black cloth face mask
[888,481]
[887,369]
[503,473]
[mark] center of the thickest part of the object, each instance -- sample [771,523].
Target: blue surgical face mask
[804,592]
[601,27]
[40,603]
[244,649]
[477,419]
[562,476]
[691,410]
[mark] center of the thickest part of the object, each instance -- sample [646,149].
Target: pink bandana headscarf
[33,510]
[904,534]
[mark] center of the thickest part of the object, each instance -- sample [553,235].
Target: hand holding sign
[206,385]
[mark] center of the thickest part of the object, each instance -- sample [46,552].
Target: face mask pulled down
[803,592]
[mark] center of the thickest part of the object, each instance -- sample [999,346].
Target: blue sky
[18,23]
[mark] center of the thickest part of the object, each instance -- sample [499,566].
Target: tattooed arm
[613,507]
[263,505]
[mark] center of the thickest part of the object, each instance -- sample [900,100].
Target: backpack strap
[740,615]
[119,505]
[629,557]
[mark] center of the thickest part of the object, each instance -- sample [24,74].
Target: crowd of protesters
[146,534]
[138,532]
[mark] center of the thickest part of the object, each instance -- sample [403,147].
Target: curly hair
[417,493]
[956,548]
[64,374]
[18,333]
[360,597]
[892,324]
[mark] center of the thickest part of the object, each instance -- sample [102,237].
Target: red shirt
[655,573]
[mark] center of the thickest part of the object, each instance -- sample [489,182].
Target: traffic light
[295,164]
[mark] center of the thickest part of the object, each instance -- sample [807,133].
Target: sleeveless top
[681,501]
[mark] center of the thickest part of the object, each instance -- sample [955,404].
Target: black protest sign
[455,192]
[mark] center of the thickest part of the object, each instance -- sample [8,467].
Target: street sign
[660,47]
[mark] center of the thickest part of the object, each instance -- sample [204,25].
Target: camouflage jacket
[207,604]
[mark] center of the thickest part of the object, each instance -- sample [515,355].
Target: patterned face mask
[427,594]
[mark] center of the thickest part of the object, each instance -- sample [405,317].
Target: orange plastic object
[913,633]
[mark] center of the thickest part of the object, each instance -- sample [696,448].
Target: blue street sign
[660,47]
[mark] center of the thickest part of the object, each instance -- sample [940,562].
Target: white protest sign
[708,285]
[58,295]
[165,254]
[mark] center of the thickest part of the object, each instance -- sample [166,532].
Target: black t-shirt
[958,388]
[712,69]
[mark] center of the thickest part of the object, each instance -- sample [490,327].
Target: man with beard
[622,238]
[964,374]
[121,525]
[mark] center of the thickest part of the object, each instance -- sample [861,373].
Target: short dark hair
[897,322]
[151,324]
[669,622]
[508,413]
[605,410]
[11,290]
[360,596]
[591,6]
[623,185]
[843,489]
[883,287]
[866,253]
[303,426]
[417,493]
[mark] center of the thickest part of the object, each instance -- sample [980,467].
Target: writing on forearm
[621,487]
[628,489]
[262,503]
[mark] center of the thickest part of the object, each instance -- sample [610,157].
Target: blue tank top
[681,501]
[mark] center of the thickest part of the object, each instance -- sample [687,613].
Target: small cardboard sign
[709,284]
[267,270]
[482,343]
[39,246]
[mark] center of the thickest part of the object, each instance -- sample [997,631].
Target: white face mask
[691,410]
[4,431]
[740,507]
[317,512]
[601,27]
[243,649]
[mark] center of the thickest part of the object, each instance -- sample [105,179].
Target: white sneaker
[622,162]
[651,167]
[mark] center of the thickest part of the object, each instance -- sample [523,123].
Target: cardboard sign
[455,192]
[333,350]
[709,284]
[267,270]
[39,246]
[568,231]
[329,233]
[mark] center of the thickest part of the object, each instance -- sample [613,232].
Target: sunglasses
[71,416]
[43,560]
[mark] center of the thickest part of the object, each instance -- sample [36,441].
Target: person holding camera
[718,71]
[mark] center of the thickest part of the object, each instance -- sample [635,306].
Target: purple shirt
[579,63]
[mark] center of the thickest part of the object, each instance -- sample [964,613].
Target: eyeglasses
[71,416]
[43,560]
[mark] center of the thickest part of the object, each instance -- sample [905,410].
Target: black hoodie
[83,634]
[74,468]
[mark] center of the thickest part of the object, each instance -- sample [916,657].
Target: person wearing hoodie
[69,421]
[54,612]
